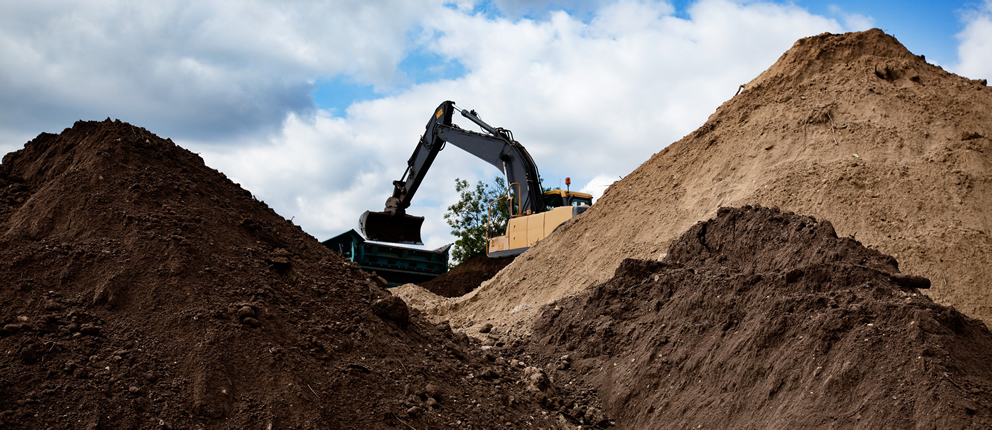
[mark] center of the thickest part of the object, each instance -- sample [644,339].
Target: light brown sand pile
[852,128]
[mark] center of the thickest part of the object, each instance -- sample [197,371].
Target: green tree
[468,218]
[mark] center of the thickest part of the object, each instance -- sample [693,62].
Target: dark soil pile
[142,289]
[466,276]
[765,319]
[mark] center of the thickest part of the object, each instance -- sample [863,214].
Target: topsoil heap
[764,319]
[142,289]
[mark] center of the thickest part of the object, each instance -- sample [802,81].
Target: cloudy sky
[315,106]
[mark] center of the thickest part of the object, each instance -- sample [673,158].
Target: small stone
[246,312]
[89,330]
[489,373]
[11,328]
[594,416]
[460,338]
[379,281]
[29,355]
[133,389]
[251,322]
[433,391]
[535,379]
[970,135]
[392,308]
[413,411]
[486,328]
[910,281]
[280,259]
[433,404]
[444,327]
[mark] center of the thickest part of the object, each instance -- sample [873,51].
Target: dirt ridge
[847,127]
[731,330]
[142,288]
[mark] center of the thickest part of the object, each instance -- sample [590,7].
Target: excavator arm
[497,148]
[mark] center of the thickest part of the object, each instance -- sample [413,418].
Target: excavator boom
[497,148]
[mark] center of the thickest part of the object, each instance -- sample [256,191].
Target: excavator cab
[558,198]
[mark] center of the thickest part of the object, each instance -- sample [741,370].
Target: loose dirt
[143,289]
[852,128]
[765,319]
[466,276]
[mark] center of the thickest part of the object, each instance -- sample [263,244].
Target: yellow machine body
[522,232]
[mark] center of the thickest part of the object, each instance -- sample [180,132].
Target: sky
[316,106]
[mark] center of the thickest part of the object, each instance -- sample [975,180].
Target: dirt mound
[852,128]
[141,288]
[466,276]
[764,319]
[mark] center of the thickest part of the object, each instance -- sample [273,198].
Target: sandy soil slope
[852,128]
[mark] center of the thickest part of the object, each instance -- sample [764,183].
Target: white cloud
[975,60]
[196,69]
[590,99]
[598,185]
[621,87]
[853,21]
[515,9]
[323,172]
[591,96]
[856,22]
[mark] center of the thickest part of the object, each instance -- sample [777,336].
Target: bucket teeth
[385,227]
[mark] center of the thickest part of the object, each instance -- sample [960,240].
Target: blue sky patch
[421,67]
[904,20]
[488,9]
[337,94]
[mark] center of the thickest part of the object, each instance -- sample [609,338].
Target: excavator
[533,215]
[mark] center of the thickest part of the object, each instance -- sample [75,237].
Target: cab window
[552,201]
[580,201]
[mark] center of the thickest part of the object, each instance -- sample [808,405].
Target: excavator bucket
[386,227]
